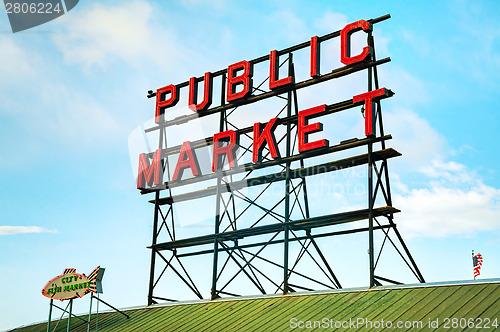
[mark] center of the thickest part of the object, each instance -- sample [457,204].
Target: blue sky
[73,90]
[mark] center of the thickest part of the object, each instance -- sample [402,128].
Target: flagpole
[473,265]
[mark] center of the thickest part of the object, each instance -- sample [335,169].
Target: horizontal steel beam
[253,166]
[303,224]
[298,238]
[336,73]
[329,109]
[294,174]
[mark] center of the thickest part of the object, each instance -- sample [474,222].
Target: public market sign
[239,91]
[70,284]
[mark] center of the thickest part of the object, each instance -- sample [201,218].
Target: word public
[239,87]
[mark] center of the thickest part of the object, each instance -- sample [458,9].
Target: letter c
[345,42]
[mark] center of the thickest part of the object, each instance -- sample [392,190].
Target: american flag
[477,262]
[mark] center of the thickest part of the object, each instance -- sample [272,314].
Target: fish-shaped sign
[70,284]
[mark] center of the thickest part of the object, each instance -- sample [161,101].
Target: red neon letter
[368,98]
[345,42]
[207,93]
[162,104]
[266,135]
[245,78]
[190,162]
[314,56]
[228,150]
[305,129]
[146,171]
[274,82]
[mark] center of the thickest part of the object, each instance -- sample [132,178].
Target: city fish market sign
[239,91]
[70,284]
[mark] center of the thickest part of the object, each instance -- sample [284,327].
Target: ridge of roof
[323,292]
[365,290]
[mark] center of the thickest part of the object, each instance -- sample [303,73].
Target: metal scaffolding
[239,236]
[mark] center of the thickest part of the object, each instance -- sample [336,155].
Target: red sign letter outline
[304,129]
[266,135]
[274,82]
[368,99]
[315,52]
[146,171]
[245,78]
[182,163]
[170,102]
[229,150]
[207,93]
[345,42]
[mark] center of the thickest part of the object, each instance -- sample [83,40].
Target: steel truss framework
[232,244]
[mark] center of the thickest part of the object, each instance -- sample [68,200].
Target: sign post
[50,315]
[71,285]
[69,316]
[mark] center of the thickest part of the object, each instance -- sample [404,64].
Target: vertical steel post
[155,229]
[304,187]
[218,199]
[70,313]
[385,166]
[370,216]
[97,314]
[90,312]
[50,315]
[153,250]
[370,183]
[287,183]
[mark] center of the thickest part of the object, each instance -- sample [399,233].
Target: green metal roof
[406,303]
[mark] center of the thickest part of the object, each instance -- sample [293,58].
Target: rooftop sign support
[71,285]
[280,152]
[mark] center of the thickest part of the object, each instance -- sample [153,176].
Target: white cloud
[480,33]
[418,43]
[220,5]
[450,199]
[415,138]
[58,106]
[440,211]
[331,22]
[13,54]
[125,31]
[451,172]
[409,89]
[75,119]
[295,31]
[11,230]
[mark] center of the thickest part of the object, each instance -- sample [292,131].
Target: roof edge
[332,291]
[319,292]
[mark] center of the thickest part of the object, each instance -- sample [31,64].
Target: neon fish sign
[70,284]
